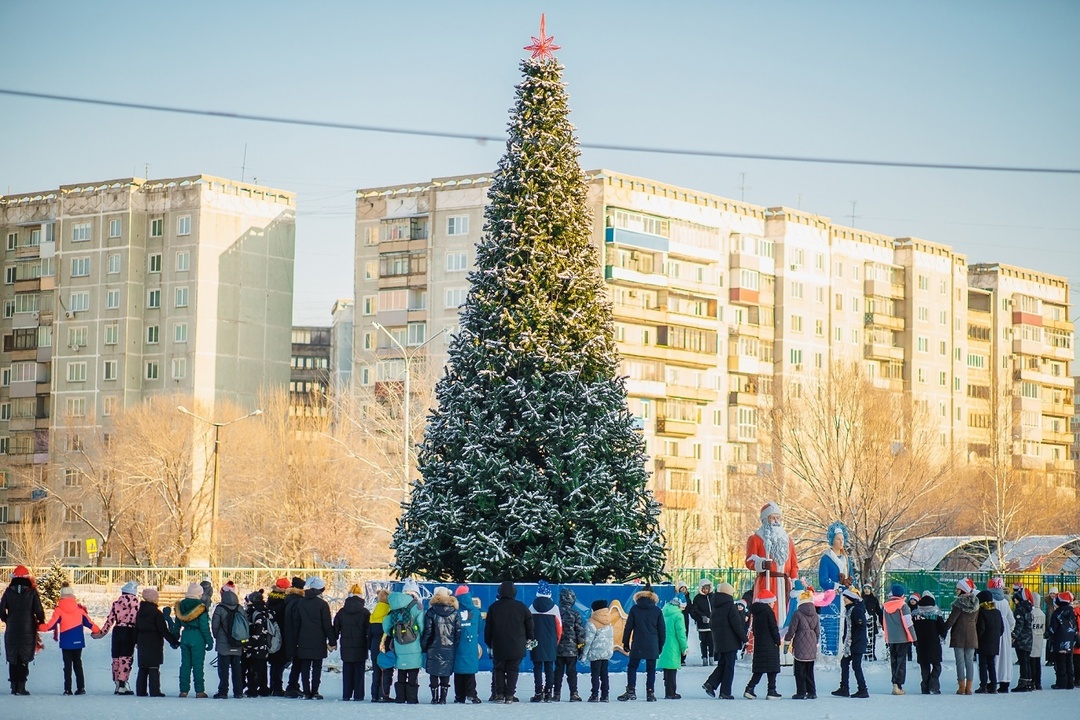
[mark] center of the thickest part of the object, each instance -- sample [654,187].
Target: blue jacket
[467,657]
[644,632]
[547,625]
[409,655]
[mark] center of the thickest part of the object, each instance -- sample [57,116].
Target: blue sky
[955,82]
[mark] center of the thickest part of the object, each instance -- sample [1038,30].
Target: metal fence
[180,577]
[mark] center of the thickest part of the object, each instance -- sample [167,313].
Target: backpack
[273,632]
[403,628]
[237,629]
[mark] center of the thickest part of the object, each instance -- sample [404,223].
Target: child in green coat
[674,646]
[193,626]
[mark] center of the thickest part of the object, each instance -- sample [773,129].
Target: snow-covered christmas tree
[531,466]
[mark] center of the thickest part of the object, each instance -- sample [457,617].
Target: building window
[924,282]
[115,226]
[5,412]
[112,334]
[151,371]
[183,225]
[110,370]
[153,299]
[922,375]
[456,262]
[417,333]
[80,232]
[114,263]
[457,225]
[10,275]
[181,297]
[109,405]
[12,241]
[179,368]
[112,299]
[151,334]
[183,261]
[943,350]
[76,337]
[796,357]
[3,515]
[9,308]
[76,371]
[76,407]
[923,344]
[371,270]
[157,226]
[153,263]
[180,333]
[924,314]
[72,549]
[796,323]
[80,301]
[455,297]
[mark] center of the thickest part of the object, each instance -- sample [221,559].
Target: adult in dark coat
[701,611]
[1061,635]
[1022,637]
[728,635]
[929,623]
[854,645]
[314,632]
[291,621]
[874,620]
[275,605]
[439,639]
[766,660]
[570,644]
[509,626]
[989,627]
[643,637]
[21,611]
[351,636]
[151,633]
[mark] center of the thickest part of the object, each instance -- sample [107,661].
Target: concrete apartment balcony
[23,320]
[675,462]
[28,251]
[685,357]
[743,364]
[751,261]
[880,351]
[615,274]
[1028,462]
[675,428]
[882,320]
[744,398]
[744,296]
[1028,347]
[30,285]
[1057,438]
[744,329]
[883,288]
[702,393]
[646,388]
[676,499]
[1058,353]
[636,313]
[1058,409]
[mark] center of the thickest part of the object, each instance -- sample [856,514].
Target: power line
[491,138]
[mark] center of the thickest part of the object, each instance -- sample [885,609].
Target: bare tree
[35,536]
[850,451]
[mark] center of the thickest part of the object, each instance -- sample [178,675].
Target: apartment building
[309,375]
[719,306]
[341,345]
[120,290]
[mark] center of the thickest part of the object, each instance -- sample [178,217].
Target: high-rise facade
[718,305]
[121,290]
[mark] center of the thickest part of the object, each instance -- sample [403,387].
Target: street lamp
[217,447]
[407,434]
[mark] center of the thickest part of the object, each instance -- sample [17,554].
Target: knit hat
[725,587]
[356,590]
[1065,598]
[194,591]
[914,596]
[867,587]
[410,587]
[131,587]
[766,596]
[67,591]
[927,600]
[255,597]
[599,605]
[985,596]
[543,589]
[769,509]
[150,594]
[1052,591]
[20,572]
[461,590]
[965,586]
[314,583]
[996,582]
[897,590]
[282,583]
[852,594]
[298,582]
[230,586]
[703,583]
[441,591]
[678,599]
[382,595]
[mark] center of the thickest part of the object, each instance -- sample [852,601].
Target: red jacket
[72,618]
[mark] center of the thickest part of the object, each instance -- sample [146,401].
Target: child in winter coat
[599,647]
[405,606]
[1038,641]
[229,651]
[1022,633]
[570,644]
[1061,637]
[351,633]
[929,625]
[442,631]
[989,628]
[72,618]
[467,652]
[803,633]
[898,636]
[121,621]
[275,606]
[547,624]
[674,648]
[643,635]
[854,645]
[151,633]
[381,679]
[192,623]
[766,645]
[963,633]
[257,649]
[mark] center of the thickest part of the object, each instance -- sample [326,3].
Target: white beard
[776,543]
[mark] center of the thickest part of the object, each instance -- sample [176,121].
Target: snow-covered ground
[46,685]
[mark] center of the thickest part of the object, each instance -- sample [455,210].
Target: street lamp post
[214,559]
[407,433]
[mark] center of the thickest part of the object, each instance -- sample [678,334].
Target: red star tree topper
[542,47]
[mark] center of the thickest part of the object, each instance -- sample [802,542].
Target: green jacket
[192,623]
[674,639]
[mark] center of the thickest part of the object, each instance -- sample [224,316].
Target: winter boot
[630,694]
[399,692]
[862,693]
[843,691]
[594,698]
[967,686]
[434,694]
[748,693]
[1003,687]
[960,687]
[650,696]
[574,697]
[412,693]
[125,689]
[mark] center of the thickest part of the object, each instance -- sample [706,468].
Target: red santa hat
[996,582]
[770,509]
[765,596]
[965,586]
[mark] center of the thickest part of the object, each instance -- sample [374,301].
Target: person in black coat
[439,639]
[728,635]
[854,644]
[701,611]
[874,619]
[314,632]
[275,605]
[22,613]
[766,645]
[509,626]
[351,635]
[988,628]
[570,645]
[929,623]
[291,621]
[151,633]
[257,648]
[643,637]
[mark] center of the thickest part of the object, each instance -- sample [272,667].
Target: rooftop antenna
[853,202]
[798,201]
[742,187]
[146,171]
[243,165]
